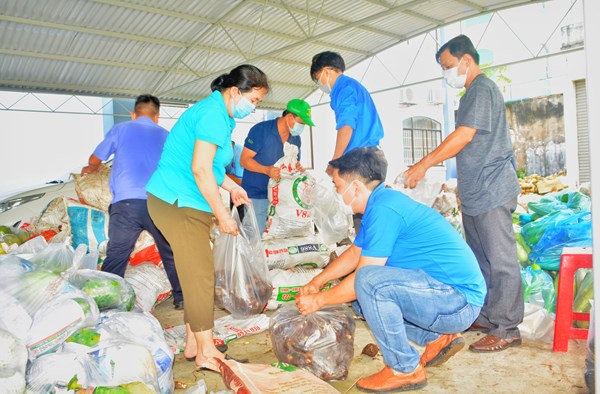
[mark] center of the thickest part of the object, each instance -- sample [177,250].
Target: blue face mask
[242,108]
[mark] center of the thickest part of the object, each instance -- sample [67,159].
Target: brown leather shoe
[389,381]
[478,327]
[440,350]
[491,343]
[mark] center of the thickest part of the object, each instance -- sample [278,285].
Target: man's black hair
[147,103]
[326,59]
[285,112]
[459,46]
[368,164]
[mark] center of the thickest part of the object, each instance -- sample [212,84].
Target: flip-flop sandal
[227,357]
[222,348]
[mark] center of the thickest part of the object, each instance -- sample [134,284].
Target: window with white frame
[421,136]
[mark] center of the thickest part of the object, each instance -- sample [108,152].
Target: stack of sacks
[290,240]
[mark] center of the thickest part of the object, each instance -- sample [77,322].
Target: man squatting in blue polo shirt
[408,273]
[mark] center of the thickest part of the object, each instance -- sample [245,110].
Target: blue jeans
[261,207]
[401,305]
[128,218]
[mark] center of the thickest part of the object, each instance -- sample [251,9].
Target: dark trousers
[128,218]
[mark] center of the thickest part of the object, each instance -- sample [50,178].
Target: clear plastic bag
[56,257]
[142,329]
[13,359]
[538,288]
[321,343]
[425,192]
[110,291]
[54,371]
[329,217]
[149,281]
[119,362]
[60,318]
[242,284]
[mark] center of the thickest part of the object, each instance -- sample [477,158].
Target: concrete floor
[531,368]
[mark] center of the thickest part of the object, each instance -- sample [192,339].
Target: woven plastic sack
[287,283]
[93,189]
[242,284]
[321,342]
[289,212]
[89,225]
[286,253]
[260,378]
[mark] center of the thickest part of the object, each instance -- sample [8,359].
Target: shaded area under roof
[174,49]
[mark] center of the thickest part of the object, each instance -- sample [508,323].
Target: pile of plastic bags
[78,327]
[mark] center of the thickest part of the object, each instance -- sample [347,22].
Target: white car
[23,206]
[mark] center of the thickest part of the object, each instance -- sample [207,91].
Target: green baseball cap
[301,109]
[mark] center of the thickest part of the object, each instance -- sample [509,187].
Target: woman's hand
[228,225]
[239,196]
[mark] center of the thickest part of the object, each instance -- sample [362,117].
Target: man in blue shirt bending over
[137,146]
[357,121]
[409,274]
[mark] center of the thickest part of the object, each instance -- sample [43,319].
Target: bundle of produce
[321,342]
[541,185]
[110,291]
[242,284]
[538,288]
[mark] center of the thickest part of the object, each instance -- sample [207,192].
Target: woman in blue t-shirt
[183,194]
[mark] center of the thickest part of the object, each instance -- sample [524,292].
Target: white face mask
[347,208]
[455,80]
[325,88]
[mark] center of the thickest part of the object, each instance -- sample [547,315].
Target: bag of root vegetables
[242,283]
[321,342]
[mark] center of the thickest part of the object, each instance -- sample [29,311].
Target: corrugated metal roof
[175,48]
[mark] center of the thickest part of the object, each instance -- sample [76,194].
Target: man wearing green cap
[264,146]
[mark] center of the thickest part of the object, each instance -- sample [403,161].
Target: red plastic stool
[571,260]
